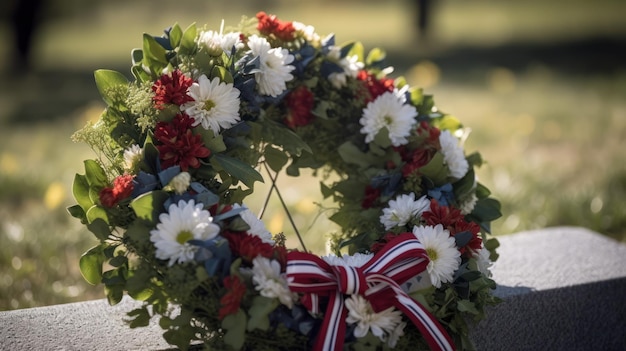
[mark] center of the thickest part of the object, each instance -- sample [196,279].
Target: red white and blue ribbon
[378,281]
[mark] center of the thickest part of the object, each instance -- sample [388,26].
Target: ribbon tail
[434,334]
[332,333]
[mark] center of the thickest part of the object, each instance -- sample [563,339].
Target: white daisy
[388,110]
[183,222]
[468,203]
[395,335]
[274,70]
[308,32]
[483,261]
[257,227]
[180,182]
[453,154]
[382,324]
[442,252]
[215,105]
[350,64]
[132,157]
[403,209]
[270,282]
[216,42]
[355,260]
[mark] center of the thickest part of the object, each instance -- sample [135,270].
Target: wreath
[179,147]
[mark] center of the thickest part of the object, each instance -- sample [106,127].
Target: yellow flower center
[208,105]
[432,254]
[184,236]
[388,120]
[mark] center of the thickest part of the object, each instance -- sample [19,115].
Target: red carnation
[475,242]
[419,157]
[375,86]
[171,90]
[248,246]
[178,145]
[122,189]
[371,196]
[444,215]
[300,102]
[453,220]
[235,290]
[270,25]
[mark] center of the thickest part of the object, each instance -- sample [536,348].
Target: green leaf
[80,190]
[352,155]
[416,96]
[188,41]
[465,185]
[435,170]
[466,306]
[237,169]
[353,48]
[96,177]
[97,212]
[90,264]
[259,311]
[375,56]
[77,211]
[487,210]
[176,34]
[154,54]
[223,74]
[447,122]
[107,82]
[148,206]
[326,191]
[382,138]
[118,261]
[235,326]
[475,159]
[114,293]
[100,228]
[275,158]
[213,142]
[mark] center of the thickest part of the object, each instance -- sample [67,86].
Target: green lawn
[546,111]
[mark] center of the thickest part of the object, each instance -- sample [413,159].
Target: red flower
[300,102]
[475,242]
[248,246]
[270,25]
[371,195]
[171,90]
[178,145]
[444,215]
[375,86]
[453,220]
[235,290]
[122,189]
[420,156]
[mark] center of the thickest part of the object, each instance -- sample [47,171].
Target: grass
[549,119]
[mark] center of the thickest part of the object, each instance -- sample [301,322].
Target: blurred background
[541,83]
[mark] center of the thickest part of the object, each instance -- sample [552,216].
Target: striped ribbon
[378,281]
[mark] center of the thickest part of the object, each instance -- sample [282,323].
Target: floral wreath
[180,147]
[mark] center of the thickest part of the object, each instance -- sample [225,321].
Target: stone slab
[563,289]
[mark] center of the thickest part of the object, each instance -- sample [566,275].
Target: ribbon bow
[378,281]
